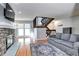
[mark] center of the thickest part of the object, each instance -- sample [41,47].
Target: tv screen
[9,13]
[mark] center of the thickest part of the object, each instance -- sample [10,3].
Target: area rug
[46,50]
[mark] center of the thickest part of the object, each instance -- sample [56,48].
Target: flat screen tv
[9,13]
[67,30]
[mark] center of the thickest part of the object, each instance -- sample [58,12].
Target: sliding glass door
[24,33]
[20,32]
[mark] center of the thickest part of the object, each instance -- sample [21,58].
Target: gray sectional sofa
[68,43]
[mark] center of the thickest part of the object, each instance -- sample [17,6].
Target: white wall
[65,22]
[75,23]
[68,22]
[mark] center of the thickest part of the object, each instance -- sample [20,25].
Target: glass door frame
[24,36]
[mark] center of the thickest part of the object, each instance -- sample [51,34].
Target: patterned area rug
[46,50]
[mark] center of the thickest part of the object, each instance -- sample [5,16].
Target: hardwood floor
[24,51]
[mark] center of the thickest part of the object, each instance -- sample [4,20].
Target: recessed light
[19,12]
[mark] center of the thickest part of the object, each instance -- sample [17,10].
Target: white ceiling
[27,11]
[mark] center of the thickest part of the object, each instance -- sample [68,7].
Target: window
[20,32]
[27,32]
[27,40]
[20,25]
[24,30]
[27,26]
[21,41]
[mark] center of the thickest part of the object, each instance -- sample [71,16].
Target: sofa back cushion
[73,38]
[65,36]
[58,35]
[77,35]
[52,36]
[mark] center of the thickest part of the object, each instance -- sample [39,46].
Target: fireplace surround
[6,33]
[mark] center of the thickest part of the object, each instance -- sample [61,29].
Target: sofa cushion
[58,40]
[66,43]
[52,36]
[73,38]
[65,36]
[58,35]
[69,44]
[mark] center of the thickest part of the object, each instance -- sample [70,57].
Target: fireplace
[9,41]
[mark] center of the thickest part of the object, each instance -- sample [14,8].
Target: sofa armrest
[76,45]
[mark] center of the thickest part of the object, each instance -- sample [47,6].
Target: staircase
[43,22]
